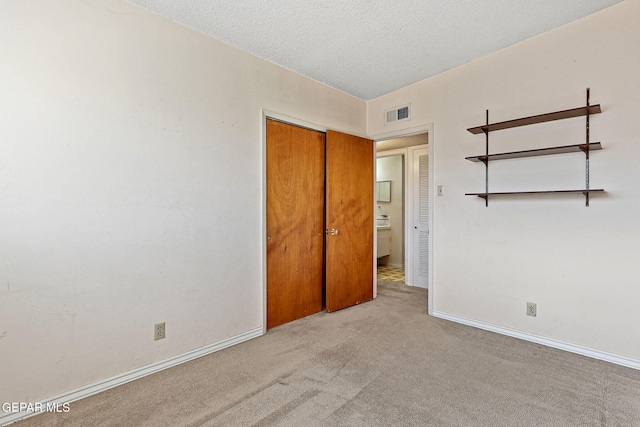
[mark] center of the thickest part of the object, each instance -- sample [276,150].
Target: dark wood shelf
[537,152]
[506,193]
[586,148]
[541,118]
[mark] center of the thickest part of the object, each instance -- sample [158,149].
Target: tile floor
[391,273]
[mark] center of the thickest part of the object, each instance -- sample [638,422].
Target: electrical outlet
[531,309]
[158,331]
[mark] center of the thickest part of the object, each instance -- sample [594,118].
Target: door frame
[268,114]
[408,251]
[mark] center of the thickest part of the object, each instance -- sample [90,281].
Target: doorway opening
[402,220]
[390,208]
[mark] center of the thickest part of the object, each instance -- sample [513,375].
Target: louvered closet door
[349,220]
[421,218]
[295,222]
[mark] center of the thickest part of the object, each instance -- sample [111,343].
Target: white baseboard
[549,342]
[100,386]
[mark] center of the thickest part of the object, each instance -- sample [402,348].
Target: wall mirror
[383,191]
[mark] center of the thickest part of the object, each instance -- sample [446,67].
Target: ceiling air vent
[398,114]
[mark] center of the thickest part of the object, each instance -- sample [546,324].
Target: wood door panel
[295,222]
[349,209]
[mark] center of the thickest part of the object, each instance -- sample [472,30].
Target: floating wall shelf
[587,147]
[537,152]
[540,118]
[508,193]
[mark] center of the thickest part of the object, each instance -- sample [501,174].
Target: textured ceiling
[368,48]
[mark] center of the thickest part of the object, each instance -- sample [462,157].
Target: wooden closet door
[349,220]
[295,222]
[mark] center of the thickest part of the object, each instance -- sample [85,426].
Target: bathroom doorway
[402,227]
[390,216]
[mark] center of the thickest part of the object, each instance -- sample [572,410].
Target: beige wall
[131,173]
[578,264]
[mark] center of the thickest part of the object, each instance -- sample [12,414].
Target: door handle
[333,231]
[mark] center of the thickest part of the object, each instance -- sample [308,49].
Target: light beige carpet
[382,363]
